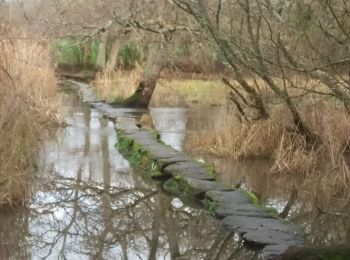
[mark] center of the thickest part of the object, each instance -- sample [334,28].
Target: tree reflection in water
[94,207]
[74,219]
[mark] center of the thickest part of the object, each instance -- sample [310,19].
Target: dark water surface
[89,204]
[324,215]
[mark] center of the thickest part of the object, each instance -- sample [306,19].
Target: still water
[88,203]
[323,213]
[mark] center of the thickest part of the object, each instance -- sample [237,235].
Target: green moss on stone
[210,169]
[137,156]
[254,199]
[210,206]
[180,188]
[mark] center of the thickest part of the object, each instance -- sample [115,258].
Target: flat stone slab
[159,152]
[172,160]
[188,169]
[201,186]
[249,210]
[232,197]
[197,176]
[272,237]
[272,251]
[243,224]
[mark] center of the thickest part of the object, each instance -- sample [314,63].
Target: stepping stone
[188,169]
[171,160]
[249,210]
[182,166]
[232,197]
[201,186]
[197,175]
[272,251]
[243,224]
[271,237]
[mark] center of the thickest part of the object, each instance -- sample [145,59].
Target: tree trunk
[113,55]
[154,65]
[102,49]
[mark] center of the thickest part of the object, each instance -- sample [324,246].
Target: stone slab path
[234,208]
[237,212]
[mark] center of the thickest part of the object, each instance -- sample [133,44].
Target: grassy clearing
[118,85]
[28,86]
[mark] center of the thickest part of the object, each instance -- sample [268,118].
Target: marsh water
[323,214]
[88,203]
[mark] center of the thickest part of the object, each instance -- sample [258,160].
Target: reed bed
[27,109]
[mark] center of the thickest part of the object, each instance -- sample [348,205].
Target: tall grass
[117,85]
[277,139]
[27,107]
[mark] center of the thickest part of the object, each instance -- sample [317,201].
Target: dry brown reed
[146,121]
[276,138]
[27,88]
[120,84]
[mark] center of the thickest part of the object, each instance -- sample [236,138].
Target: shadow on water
[324,217]
[89,204]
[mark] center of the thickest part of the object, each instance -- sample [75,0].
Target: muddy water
[324,215]
[89,204]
